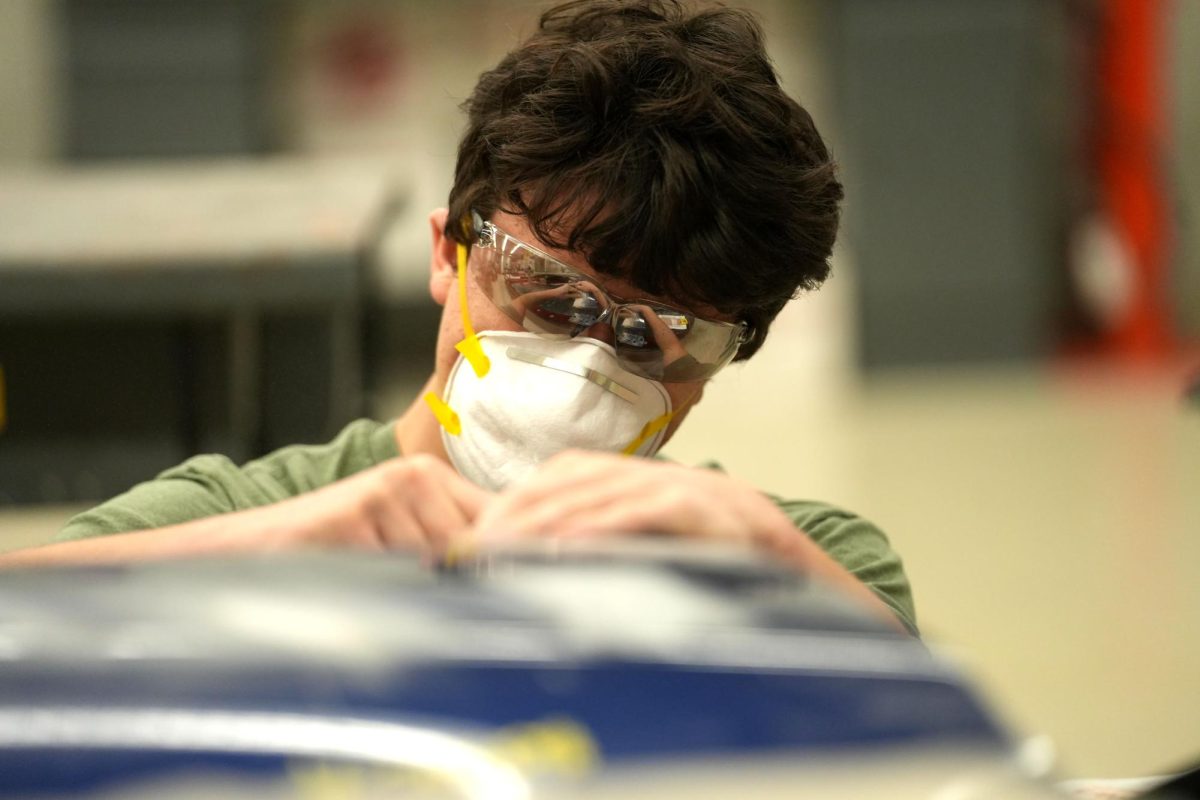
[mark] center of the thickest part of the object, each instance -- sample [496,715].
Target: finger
[398,529]
[653,514]
[662,499]
[576,510]
[439,517]
[444,503]
[423,502]
[564,480]
[471,499]
[565,473]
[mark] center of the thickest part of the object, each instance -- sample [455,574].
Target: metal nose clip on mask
[513,400]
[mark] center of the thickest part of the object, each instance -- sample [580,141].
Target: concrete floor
[1049,520]
[1050,524]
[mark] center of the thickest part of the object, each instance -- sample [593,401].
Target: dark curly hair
[655,140]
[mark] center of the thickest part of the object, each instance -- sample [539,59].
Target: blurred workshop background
[213,237]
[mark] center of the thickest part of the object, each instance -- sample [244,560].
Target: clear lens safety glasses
[552,299]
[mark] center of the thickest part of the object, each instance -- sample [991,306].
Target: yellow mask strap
[446,416]
[470,348]
[649,430]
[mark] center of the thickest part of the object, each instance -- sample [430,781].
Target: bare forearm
[241,533]
[414,503]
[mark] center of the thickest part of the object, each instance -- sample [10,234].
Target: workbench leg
[345,368]
[245,390]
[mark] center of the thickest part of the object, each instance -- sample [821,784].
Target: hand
[580,493]
[418,503]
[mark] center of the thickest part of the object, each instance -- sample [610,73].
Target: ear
[443,259]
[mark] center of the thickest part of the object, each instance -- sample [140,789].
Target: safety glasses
[552,299]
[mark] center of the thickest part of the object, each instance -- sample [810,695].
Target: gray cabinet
[951,179]
[169,77]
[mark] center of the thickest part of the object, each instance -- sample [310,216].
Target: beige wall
[29,127]
[414,122]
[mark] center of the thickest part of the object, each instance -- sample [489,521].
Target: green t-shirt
[208,485]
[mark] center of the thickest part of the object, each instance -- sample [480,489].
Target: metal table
[234,238]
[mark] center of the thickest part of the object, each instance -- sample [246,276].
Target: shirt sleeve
[861,548]
[190,491]
[856,544]
[208,485]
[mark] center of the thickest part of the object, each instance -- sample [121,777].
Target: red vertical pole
[1130,162]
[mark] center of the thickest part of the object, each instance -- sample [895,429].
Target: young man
[635,199]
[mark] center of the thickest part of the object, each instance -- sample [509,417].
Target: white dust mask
[541,396]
